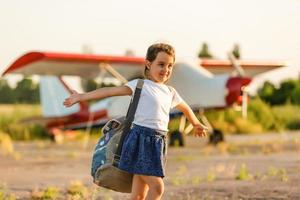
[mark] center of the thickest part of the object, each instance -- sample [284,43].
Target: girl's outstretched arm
[199,129]
[97,94]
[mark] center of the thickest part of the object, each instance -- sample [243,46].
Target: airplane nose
[234,86]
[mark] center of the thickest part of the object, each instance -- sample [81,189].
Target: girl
[144,148]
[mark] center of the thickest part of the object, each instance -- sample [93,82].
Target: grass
[211,176]
[11,114]
[279,173]
[49,193]
[261,118]
[4,194]
[6,145]
[185,158]
[77,189]
[243,173]
[74,191]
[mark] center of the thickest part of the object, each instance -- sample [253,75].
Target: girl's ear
[148,63]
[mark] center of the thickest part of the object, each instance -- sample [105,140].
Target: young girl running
[144,148]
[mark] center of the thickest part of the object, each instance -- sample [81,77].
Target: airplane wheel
[56,136]
[176,137]
[216,137]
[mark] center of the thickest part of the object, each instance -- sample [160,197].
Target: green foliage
[246,126]
[261,117]
[76,188]
[266,92]
[295,95]
[25,92]
[288,92]
[243,173]
[50,193]
[236,51]
[211,176]
[278,173]
[10,116]
[89,85]
[4,195]
[7,95]
[287,117]
[204,52]
[6,145]
[260,112]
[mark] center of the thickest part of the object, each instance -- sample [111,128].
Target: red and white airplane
[200,88]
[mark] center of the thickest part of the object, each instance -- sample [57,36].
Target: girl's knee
[156,185]
[140,196]
[158,188]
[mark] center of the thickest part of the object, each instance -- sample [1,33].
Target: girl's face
[160,69]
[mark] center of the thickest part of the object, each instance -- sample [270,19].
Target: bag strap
[129,119]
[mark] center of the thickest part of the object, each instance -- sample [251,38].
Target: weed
[50,193]
[272,171]
[177,181]
[243,173]
[76,188]
[196,180]
[6,145]
[283,175]
[4,195]
[210,176]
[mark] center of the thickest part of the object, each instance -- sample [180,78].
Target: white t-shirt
[154,105]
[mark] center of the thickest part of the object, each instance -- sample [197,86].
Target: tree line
[26,91]
[288,92]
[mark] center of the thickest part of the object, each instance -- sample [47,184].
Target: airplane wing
[251,68]
[83,65]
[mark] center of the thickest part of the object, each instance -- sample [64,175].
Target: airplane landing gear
[176,137]
[216,137]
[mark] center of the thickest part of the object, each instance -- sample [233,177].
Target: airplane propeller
[241,73]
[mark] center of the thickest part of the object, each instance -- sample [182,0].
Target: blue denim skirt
[144,152]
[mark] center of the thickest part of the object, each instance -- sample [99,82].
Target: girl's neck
[149,78]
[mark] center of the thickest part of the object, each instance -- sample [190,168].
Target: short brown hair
[154,49]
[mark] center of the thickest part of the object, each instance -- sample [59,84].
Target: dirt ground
[244,167]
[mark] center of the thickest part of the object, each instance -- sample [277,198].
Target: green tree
[266,92]
[295,96]
[236,51]
[89,85]
[204,52]
[288,91]
[284,93]
[6,92]
[26,91]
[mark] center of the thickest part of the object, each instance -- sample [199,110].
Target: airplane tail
[53,91]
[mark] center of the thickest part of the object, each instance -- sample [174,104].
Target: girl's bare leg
[156,187]
[139,188]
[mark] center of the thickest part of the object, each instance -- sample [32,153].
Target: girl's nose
[165,69]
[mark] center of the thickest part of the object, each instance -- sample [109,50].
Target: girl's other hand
[200,130]
[72,99]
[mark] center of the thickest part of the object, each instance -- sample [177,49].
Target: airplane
[199,88]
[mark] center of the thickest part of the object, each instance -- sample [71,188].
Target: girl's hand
[74,98]
[200,130]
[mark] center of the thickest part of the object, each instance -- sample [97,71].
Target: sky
[264,29]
